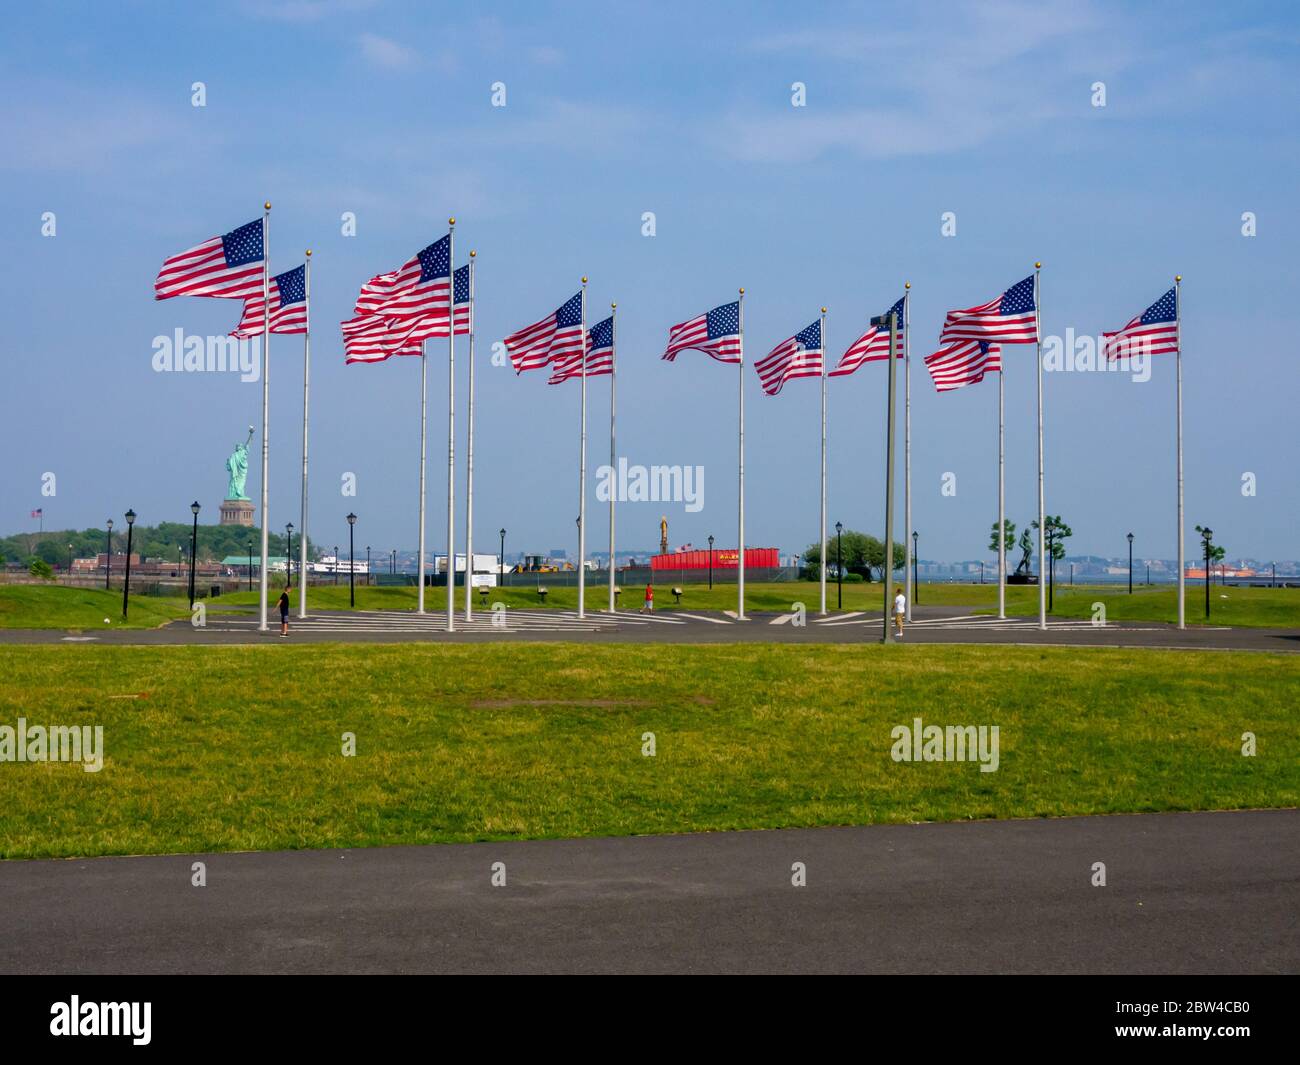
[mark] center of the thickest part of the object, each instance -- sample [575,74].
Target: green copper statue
[237,467]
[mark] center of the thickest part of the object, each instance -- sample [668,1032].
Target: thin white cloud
[387,53]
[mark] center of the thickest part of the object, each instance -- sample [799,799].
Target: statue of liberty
[237,467]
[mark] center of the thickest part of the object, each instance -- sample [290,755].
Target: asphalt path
[1204,893]
[930,625]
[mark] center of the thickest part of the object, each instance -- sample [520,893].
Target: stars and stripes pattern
[555,338]
[797,356]
[225,267]
[600,355]
[1153,332]
[288,306]
[964,363]
[1011,318]
[871,346]
[716,333]
[397,311]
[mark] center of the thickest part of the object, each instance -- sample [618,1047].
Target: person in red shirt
[649,599]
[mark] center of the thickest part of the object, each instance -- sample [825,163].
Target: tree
[1008,535]
[862,553]
[1054,548]
[38,567]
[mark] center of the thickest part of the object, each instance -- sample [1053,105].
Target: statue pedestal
[237,512]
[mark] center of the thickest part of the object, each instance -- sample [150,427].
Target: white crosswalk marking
[399,621]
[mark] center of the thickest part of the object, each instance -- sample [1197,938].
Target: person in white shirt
[900,608]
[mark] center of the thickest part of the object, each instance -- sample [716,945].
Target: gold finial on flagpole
[907,284]
[308,253]
[1178,277]
[584,280]
[612,305]
[472,253]
[823,310]
[451,221]
[266,206]
[1038,266]
[742,291]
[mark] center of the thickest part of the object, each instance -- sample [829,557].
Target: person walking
[284,614]
[900,610]
[649,607]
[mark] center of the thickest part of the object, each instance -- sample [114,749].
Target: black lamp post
[288,559]
[1130,563]
[250,565]
[710,562]
[108,557]
[194,544]
[839,565]
[352,583]
[501,560]
[981,571]
[69,560]
[367,567]
[1207,537]
[126,584]
[916,579]
[336,564]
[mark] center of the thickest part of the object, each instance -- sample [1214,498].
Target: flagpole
[1178,362]
[469,448]
[740,557]
[582,465]
[887,568]
[822,556]
[451,428]
[613,461]
[266,403]
[1042,518]
[907,450]
[306,391]
[1002,492]
[424,425]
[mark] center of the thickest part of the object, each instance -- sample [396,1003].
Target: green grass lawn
[1248,607]
[52,606]
[232,748]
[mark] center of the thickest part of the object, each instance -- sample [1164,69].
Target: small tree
[1008,536]
[1054,548]
[38,567]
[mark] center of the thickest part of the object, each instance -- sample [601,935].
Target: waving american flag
[600,355]
[225,267]
[964,363]
[872,346]
[799,356]
[1011,318]
[716,333]
[1153,332]
[554,338]
[288,306]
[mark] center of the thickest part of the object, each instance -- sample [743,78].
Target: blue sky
[384,110]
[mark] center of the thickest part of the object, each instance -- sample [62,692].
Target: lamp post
[126,583]
[69,560]
[981,571]
[1130,563]
[250,565]
[108,555]
[501,560]
[916,580]
[710,562]
[352,584]
[1148,574]
[839,565]
[336,564]
[288,558]
[367,567]
[194,543]
[1207,536]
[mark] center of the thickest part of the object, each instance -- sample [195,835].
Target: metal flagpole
[424,424]
[823,514]
[740,557]
[887,569]
[306,391]
[451,428]
[266,401]
[1042,518]
[1002,493]
[907,450]
[1178,362]
[582,465]
[469,447]
[613,461]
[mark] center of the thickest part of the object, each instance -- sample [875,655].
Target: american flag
[288,306]
[872,346]
[404,314]
[716,333]
[226,267]
[553,339]
[799,356]
[600,355]
[964,363]
[1153,332]
[39,512]
[1010,318]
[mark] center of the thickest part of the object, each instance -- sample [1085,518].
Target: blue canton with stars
[810,339]
[435,260]
[461,284]
[897,309]
[724,321]
[570,314]
[293,286]
[243,245]
[1165,309]
[1018,298]
[602,334]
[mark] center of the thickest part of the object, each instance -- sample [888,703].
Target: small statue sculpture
[237,467]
